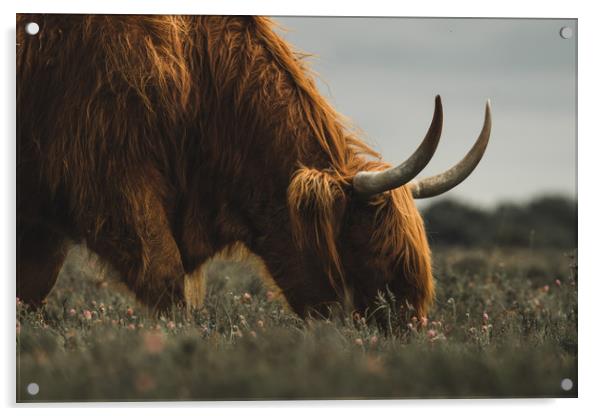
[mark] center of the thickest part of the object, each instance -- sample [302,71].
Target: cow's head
[366,232]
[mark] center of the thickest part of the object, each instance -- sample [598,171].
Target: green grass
[250,347]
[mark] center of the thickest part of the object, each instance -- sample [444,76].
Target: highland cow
[161,141]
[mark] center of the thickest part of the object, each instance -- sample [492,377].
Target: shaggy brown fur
[160,141]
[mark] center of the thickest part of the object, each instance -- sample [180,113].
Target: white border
[589,199]
[552,8]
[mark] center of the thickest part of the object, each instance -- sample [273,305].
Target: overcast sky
[383,74]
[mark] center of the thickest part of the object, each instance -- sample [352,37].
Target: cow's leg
[140,245]
[152,270]
[149,264]
[195,284]
[162,283]
[40,256]
[196,280]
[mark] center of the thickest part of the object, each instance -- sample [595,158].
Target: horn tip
[438,105]
[488,112]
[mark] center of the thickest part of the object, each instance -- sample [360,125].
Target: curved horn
[370,183]
[436,185]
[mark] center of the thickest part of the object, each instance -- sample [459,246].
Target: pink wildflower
[154,343]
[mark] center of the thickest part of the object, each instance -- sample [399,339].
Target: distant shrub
[548,221]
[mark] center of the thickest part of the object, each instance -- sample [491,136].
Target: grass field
[504,325]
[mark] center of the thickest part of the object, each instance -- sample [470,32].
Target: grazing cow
[161,141]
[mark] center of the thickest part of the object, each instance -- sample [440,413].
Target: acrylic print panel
[234,208]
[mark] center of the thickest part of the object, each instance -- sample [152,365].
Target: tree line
[547,221]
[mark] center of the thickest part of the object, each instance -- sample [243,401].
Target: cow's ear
[316,202]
